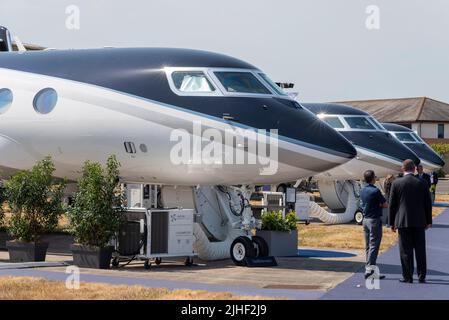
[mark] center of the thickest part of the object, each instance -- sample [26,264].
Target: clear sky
[323,46]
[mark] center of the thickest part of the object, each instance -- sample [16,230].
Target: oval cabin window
[45,101]
[5,100]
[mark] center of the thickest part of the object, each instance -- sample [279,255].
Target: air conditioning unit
[271,201]
[153,234]
[169,233]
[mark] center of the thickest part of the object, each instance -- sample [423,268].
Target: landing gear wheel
[158,261]
[115,262]
[241,248]
[261,246]
[188,262]
[147,264]
[281,188]
[358,217]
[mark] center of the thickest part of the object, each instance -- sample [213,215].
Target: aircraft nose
[327,138]
[383,143]
[307,142]
[400,151]
[303,126]
[426,153]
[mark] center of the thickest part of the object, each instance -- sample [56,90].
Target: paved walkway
[437,286]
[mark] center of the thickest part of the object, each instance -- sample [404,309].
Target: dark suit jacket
[410,203]
[425,177]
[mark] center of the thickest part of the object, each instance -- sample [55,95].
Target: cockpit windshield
[409,137]
[241,82]
[272,84]
[351,123]
[376,123]
[334,122]
[417,138]
[192,81]
[361,123]
[405,137]
[185,81]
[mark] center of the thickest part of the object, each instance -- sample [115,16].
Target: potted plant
[35,200]
[3,233]
[280,233]
[96,214]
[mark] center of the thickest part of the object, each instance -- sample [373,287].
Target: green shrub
[96,213]
[273,221]
[440,173]
[440,148]
[35,199]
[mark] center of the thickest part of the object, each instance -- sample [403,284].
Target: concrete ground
[307,276]
[313,274]
[443,186]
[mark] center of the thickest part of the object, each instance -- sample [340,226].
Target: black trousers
[413,240]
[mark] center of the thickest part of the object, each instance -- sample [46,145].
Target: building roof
[28,46]
[420,109]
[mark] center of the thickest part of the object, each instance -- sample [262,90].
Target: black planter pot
[4,237]
[91,257]
[26,251]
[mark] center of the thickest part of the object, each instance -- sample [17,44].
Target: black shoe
[381,277]
[406,280]
[422,280]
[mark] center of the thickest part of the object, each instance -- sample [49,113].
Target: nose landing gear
[241,248]
[251,252]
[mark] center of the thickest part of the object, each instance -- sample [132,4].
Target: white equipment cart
[302,207]
[164,233]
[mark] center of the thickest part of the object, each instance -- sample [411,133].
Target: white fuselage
[365,160]
[91,123]
[429,166]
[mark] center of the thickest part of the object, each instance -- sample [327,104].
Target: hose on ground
[336,218]
[219,250]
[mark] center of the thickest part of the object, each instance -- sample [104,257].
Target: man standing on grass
[420,174]
[372,203]
[411,215]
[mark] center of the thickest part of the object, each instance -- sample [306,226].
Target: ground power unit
[153,234]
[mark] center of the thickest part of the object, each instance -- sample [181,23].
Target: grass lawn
[29,288]
[346,236]
[442,198]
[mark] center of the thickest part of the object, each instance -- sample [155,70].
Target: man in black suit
[411,215]
[422,175]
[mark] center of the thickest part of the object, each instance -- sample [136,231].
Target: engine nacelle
[335,193]
[342,199]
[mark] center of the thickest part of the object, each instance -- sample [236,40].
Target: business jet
[430,160]
[140,103]
[377,150]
